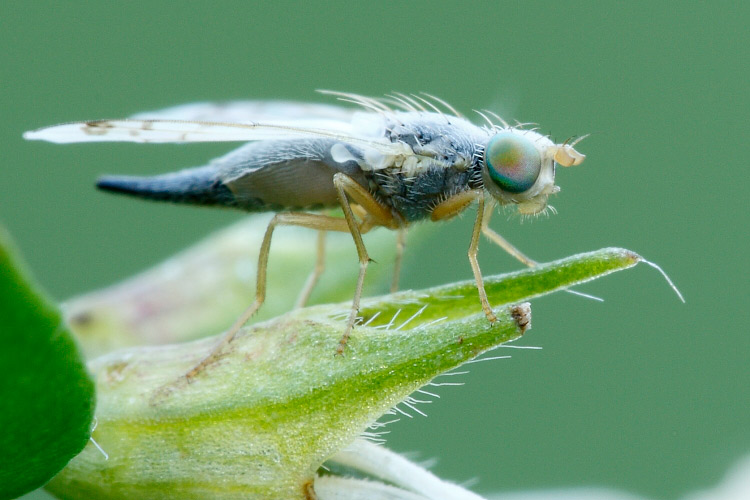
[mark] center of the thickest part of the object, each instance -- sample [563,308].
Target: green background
[640,392]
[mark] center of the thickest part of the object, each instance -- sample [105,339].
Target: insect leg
[502,242]
[453,206]
[508,247]
[515,252]
[473,249]
[312,280]
[349,188]
[312,221]
[400,245]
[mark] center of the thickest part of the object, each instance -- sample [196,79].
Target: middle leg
[312,280]
[377,214]
[400,245]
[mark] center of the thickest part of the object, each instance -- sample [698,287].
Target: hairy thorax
[442,164]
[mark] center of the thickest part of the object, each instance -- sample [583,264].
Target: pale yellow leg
[502,242]
[400,245]
[312,280]
[377,214]
[509,247]
[381,215]
[312,221]
[515,252]
[473,249]
[453,206]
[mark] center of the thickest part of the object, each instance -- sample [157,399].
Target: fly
[389,163]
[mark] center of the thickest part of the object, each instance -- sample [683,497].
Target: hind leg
[376,214]
[312,221]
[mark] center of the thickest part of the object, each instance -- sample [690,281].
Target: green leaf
[461,297]
[277,403]
[47,395]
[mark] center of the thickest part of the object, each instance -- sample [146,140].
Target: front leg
[453,206]
[502,242]
[473,249]
[515,252]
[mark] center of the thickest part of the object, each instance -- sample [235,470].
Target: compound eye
[512,162]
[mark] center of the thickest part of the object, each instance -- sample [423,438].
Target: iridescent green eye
[512,162]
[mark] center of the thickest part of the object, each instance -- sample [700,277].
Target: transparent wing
[250,111]
[179,131]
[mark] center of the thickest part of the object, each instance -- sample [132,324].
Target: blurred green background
[640,392]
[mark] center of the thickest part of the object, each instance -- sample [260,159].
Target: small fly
[389,162]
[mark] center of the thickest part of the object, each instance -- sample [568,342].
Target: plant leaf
[460,297]
[47,395]
[260,421]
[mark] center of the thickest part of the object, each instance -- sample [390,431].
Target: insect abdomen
[196,186]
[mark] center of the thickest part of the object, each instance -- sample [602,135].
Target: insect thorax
[414,196]
[446,165]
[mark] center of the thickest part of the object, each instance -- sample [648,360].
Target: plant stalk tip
[521,314]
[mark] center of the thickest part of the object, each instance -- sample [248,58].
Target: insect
[389,162]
